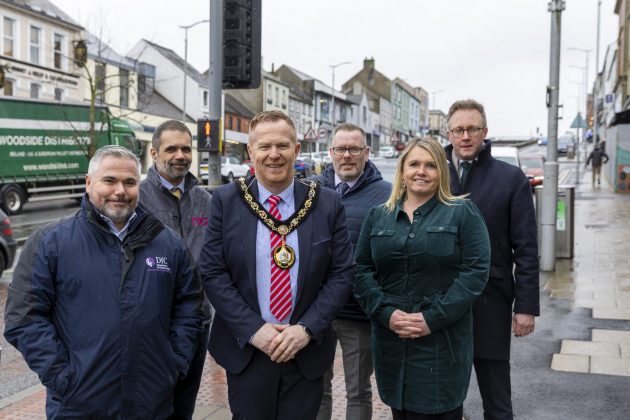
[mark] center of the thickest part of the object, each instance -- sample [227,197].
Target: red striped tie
[280,301]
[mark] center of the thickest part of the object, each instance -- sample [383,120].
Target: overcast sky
[496,51]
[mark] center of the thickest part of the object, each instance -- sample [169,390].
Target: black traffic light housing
[209,135]
[241,44]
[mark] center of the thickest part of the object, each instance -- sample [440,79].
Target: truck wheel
[12,198]
[230,178]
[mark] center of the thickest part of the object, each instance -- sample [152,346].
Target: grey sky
[496,51]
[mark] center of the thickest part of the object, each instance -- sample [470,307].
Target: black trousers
[186,389]
[493,378]
[267,390]
[455,414]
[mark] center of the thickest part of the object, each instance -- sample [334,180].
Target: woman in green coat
[422,259]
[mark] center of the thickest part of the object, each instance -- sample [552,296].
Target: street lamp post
[333,67]
[186,28]
[585,77]
[435,92]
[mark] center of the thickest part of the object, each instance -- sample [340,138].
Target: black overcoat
[504,197]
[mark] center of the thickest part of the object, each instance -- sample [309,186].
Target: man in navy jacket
[277,266]
[511,298]
[105,305]
[361,187]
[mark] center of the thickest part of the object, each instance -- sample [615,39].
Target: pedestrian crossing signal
[209,137]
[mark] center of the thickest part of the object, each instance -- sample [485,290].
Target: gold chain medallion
[283,255]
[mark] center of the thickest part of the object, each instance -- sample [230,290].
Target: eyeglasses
[354,151]
[472,131]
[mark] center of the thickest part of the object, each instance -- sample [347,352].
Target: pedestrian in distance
[597,157]
[510,301]
[422,260]
[361,187]
[171,194]
[277,266]
[105,306]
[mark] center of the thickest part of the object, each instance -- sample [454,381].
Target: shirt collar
[423,209]
[286,195]
[170,186]
[112,227]
[339,181]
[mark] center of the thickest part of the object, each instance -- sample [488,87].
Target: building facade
[38,47]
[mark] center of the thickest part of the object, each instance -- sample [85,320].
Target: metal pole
[215,80]
[186,28]
[596,89]
[185,72]
[333,98]
[333,119]
[550,190]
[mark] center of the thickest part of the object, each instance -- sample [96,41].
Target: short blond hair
[272,116]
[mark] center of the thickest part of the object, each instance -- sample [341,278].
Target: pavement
[575,366]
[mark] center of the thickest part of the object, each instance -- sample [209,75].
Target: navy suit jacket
[228,269]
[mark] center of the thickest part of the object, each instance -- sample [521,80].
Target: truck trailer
[44,148]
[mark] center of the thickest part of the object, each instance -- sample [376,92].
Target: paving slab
[610,336]
[610,366]
[616,313]
[608,303]
[590,348]
[570,363]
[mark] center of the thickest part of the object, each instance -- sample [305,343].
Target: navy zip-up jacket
[370,190]
[108,326]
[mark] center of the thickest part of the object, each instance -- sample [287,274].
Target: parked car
[388,152]
[318,164]
[7,243]
[231,168]
[507,154]
[534,168]
[249,163]
[566,145]
[303,168]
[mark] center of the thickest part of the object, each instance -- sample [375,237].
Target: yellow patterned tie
[176,192]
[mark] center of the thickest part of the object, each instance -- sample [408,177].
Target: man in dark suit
[277,266]
[511,298]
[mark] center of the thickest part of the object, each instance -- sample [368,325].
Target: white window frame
[13,83]
[61,96]
[38,45]
[13,37]
[38,87]
[62,52]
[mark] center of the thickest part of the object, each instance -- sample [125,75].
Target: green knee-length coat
[437,264]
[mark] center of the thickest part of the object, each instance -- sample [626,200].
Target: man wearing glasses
[510,301]
[361,187]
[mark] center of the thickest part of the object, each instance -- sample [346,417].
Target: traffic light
[209,135]
[241,44]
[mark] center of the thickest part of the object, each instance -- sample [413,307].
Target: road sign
[322,132]
[310,134]
[394,138]
[578,122]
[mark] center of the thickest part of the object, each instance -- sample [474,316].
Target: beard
[174,172]
[118,215]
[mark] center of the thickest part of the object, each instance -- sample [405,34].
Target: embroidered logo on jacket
[199,221]
[158,264]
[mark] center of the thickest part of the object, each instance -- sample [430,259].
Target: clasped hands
[280,342]
[408,325]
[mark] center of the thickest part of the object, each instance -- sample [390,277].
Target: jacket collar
[154,178]
[370,174]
